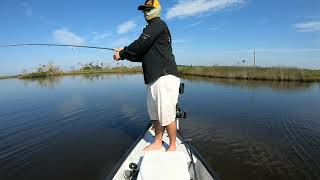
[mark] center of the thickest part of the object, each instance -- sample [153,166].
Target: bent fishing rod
[58,45]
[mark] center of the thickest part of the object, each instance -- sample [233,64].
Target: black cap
[146,6]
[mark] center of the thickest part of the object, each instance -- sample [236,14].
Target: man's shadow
[149,138]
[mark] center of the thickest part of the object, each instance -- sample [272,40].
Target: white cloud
[99,37]
[195,7]
[27,8]
[311,26]
[64,36]
[126,27]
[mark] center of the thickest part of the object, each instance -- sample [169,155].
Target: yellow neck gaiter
[153,13]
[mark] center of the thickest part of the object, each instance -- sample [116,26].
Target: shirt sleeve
[125,55]
[139,47]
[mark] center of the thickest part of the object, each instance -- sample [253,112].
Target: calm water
[78,127]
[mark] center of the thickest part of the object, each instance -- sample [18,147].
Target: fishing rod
[59,45]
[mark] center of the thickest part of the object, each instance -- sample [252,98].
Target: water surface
[78,127]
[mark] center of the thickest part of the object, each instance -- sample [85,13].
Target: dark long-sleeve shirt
[154,49]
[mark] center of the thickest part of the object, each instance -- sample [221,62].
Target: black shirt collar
[154,19]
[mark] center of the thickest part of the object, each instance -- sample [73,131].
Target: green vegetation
[231,72]
[253,73]
[95,67]
[121,70]
[245,83]
[47,70]
[92,66]
[89,68]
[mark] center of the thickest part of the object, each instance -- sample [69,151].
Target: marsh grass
[232,72]
[253,73]
[78,72]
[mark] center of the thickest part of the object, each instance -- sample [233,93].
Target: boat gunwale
[199,157]
[114,171]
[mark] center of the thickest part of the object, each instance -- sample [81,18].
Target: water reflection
[94,77]
[52,82]
[97,77]
[49,82]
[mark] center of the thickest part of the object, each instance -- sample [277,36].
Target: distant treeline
[52,69]
[232,72]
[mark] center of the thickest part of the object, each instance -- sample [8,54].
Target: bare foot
[172,148]
[153,147]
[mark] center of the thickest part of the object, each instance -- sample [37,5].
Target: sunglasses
[147,9]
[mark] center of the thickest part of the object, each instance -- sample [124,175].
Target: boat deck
[137,154]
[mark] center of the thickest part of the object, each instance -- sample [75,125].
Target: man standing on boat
[154,49]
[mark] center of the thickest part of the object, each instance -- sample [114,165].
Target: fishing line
[59,45]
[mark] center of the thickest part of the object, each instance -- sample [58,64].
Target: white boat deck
[136,156]
[164,165]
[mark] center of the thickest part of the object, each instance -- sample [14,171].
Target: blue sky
[205,32]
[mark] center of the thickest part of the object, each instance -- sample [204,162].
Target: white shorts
[162,98]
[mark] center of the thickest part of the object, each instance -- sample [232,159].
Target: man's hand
[116,55]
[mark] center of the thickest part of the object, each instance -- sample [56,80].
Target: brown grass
[111,70]
[258,73]
[232,72]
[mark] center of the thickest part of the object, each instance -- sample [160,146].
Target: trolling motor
[181,88]
[181,114]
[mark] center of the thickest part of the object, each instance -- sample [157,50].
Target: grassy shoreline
[253,73]
[119,70]
[229,72]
